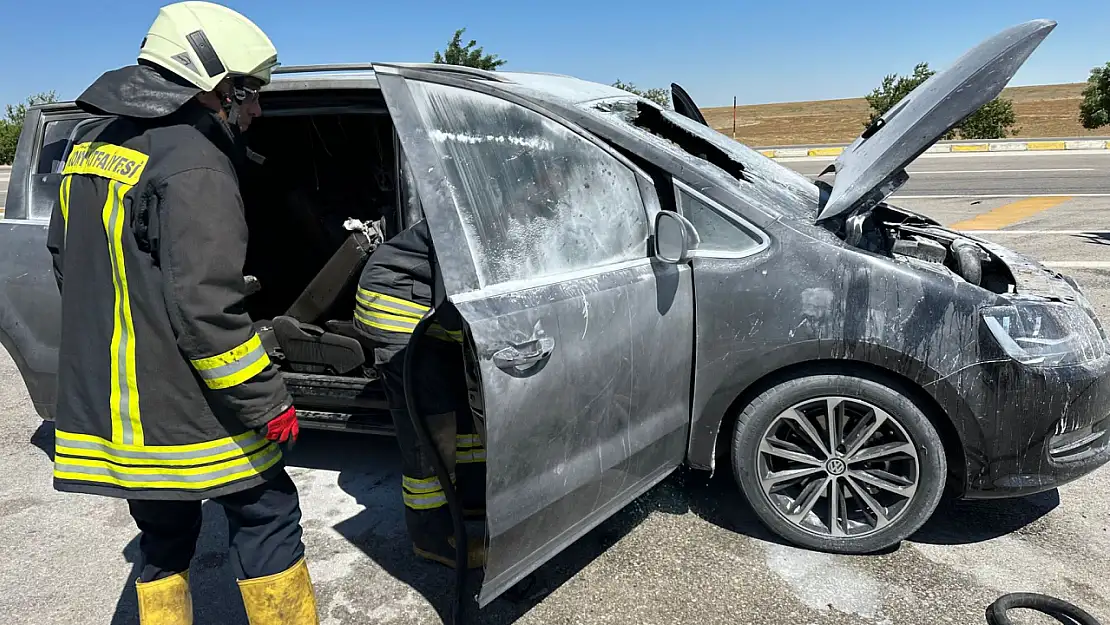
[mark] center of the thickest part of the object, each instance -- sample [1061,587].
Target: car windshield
[758,179]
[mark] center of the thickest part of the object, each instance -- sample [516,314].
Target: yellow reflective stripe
[192,478]
[467,441]
[176,458]
[126,422]
[242,375]
[113,162]
[240,439]
[386,322]
[63,203]
[235,366]
[414,485]
[424,501]
[371,307]
[389,303]
[470,457]
[230,356]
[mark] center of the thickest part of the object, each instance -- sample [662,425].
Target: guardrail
[1008,145]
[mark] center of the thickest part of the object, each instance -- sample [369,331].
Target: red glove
[283,427]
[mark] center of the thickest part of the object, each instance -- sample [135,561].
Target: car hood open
[873,167]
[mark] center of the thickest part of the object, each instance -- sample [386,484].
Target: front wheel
[839,463]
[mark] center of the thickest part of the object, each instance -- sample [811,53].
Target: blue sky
[769,51]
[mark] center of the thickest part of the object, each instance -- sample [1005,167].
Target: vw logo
[836,466]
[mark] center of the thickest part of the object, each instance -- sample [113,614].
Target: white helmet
[204,42]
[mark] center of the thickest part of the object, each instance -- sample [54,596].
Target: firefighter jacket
[396,290]
[163,383]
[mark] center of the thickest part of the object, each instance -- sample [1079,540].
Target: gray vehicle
[641,292]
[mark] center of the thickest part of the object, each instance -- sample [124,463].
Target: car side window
[48,166]
[718,233]
[536,199]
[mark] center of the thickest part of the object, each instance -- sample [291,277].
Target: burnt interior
[321,168]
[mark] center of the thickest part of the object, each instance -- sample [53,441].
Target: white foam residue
[532,143]
[585,315]
[821,581]
[334,568]
[537,198]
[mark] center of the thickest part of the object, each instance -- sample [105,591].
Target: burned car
[641,292]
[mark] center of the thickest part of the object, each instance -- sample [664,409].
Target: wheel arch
[926,401]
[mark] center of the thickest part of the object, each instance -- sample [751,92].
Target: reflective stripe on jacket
[395,290]
[163,383]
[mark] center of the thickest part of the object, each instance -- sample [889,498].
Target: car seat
[315,334]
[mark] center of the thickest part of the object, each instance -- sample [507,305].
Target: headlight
[1046,334]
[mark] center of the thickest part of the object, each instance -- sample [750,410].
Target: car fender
[731,396]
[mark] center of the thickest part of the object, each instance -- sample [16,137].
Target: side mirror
[675,237]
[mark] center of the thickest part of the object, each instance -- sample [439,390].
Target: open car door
[583,342]
[30,305]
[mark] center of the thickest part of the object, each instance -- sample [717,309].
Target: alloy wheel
[838,467]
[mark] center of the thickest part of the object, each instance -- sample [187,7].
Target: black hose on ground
[453,503]
[1058,609]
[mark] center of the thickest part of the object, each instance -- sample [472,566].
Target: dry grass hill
[1042,111]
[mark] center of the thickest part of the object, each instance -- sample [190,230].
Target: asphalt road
[686,552]
[1033,173]
[5,175]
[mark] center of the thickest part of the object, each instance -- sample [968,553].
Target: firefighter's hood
[136,91]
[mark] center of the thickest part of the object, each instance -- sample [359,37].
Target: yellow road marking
[1009,214]
[826,151]
[971,147]
[1046,145]
[768,153]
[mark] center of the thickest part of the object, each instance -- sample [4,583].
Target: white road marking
[996,195]
[997,171]
[1038,232]
[1077,264]
[929,155]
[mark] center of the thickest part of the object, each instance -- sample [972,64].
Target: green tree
[994,120]
[12,124]
[468,55]
[660,96]
[1094,111]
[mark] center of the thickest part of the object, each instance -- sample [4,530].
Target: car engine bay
[901,234]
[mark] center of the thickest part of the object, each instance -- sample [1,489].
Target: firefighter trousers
[264,531]
[442,398]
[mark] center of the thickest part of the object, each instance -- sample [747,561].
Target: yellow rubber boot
[285,598]
[165,601]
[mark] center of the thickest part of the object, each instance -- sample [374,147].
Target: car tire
[773,423]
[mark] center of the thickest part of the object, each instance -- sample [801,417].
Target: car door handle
[524,354]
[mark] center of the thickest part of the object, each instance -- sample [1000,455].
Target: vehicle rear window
[536,198]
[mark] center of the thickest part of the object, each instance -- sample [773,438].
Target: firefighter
[394,293]
[166,396]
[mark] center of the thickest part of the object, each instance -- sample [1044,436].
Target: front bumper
[1028,429]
